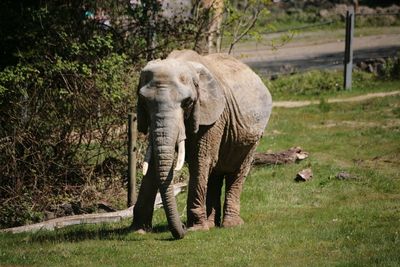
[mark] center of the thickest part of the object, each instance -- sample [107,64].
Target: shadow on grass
[90,232]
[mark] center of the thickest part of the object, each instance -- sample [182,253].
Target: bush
[314,83]
[63,111]
[391,69]
[309,83]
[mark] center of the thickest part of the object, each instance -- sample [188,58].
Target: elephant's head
[174,93]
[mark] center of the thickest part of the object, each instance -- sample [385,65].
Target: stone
[304,175]
[362,65]
[370,68]
[323,13]
[48,215]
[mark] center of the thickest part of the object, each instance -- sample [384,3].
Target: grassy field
[317,85]
[323,222]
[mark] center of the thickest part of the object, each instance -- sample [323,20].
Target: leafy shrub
[377,20]
[63,110]
[391,69]
[309,83]
[314,83]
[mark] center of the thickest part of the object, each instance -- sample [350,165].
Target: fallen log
[86,218]
[291,155]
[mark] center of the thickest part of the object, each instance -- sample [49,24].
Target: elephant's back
[246,93]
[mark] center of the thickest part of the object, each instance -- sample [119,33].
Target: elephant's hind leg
[233,189]
[213,200]
[144,207]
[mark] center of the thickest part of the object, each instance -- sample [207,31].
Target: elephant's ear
[211,99]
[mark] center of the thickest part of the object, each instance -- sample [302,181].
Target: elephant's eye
[183,79]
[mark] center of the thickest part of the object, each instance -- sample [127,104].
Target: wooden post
[132,137]
[348,53]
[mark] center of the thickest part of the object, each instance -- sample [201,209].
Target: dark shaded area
[82,233]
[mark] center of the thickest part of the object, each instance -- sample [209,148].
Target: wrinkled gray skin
[220,108]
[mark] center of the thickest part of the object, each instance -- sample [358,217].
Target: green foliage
[308,83]
[377,20]
[63,108]
[391,69]
[317,83]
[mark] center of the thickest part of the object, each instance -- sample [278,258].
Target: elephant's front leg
[144,207]
[197,191]
[203,158]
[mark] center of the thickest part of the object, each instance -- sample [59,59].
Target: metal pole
[132,137]
[348,53]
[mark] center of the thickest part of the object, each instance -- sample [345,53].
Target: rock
[362,65]
[380,10]
[370,68]
[65,210]
[323,13]
[380,60]
[340,10]
[287,68]
[366,10]
[274,77]
[48,215]
[304,175]
[393,9]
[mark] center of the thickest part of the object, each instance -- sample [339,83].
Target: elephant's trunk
[163,150]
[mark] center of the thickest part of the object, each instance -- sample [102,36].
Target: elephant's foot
[232,221]
[199,227]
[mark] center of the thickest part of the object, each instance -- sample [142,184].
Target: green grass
[323,222]
[317,84]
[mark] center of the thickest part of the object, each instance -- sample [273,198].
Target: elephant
[215,108]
